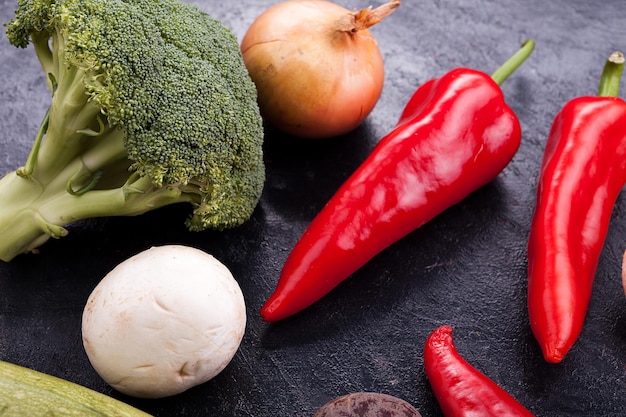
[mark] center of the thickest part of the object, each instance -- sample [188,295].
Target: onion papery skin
[313,79]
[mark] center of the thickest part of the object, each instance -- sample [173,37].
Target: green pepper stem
[611,75]
[511,64]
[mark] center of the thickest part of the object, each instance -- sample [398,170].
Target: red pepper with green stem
[582,173]
[455,135]
[461,389]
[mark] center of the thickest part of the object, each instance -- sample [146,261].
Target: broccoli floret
[151,105]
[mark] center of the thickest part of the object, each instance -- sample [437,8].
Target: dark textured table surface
[466,268]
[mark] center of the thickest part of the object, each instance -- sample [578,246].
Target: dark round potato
[367,404]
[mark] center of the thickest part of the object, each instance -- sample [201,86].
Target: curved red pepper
[455,135]
[462,390]
[582,173]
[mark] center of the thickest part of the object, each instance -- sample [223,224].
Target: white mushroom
[163,321]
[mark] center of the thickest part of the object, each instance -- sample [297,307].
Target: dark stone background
[466,268]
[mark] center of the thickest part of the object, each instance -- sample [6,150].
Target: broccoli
[151,105]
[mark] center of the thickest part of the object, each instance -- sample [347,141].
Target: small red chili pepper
[455,135]
[462,390]
[582,172]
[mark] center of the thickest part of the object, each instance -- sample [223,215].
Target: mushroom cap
[163,321]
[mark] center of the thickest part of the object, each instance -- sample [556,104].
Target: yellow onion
[318,69]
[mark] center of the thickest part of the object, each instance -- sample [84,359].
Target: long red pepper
[582,172]
[455,135]
[462,390]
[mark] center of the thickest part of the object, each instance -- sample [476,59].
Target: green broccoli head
[151,105]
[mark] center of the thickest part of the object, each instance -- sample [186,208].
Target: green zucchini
[28,393]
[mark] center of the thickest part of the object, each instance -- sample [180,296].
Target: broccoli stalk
[151,105]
